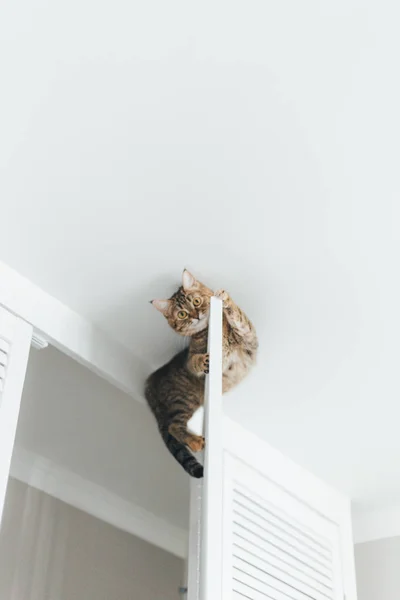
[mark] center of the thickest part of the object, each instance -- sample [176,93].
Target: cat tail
[182,455]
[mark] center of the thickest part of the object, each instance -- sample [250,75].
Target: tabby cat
[175,391]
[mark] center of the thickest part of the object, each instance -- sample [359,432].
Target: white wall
[51,551]
[378,569]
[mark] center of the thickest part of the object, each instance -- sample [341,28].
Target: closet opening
[95,508]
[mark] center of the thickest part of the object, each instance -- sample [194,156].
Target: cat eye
[182,314]
[197,301]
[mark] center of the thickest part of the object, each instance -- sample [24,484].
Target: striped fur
[175,391]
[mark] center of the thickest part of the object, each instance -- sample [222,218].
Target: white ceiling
[255,143]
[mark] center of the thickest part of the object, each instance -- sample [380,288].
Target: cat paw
[199,364]
[206,364]
[222,295]
[196,443]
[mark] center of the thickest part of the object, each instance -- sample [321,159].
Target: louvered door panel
[15,340]
[254,550]
[4,356]
[279,548]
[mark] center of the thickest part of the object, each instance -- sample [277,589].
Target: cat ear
[188,281]
[161,305]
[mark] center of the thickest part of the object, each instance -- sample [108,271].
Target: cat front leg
[237,319]
[199,364]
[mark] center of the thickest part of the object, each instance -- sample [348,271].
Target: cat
[175,391]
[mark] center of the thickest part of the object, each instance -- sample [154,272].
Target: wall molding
[46,476]
[71,333]
[376,524]
[38,342]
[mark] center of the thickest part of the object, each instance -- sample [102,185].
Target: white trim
[91,498]
[211,553]
[71,333]
[376,524]
[194,545]
[38,341]
[227,530]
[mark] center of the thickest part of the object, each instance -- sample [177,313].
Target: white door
[285,534]
[15,340]
[261,526]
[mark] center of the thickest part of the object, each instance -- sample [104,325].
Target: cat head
[187,310]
